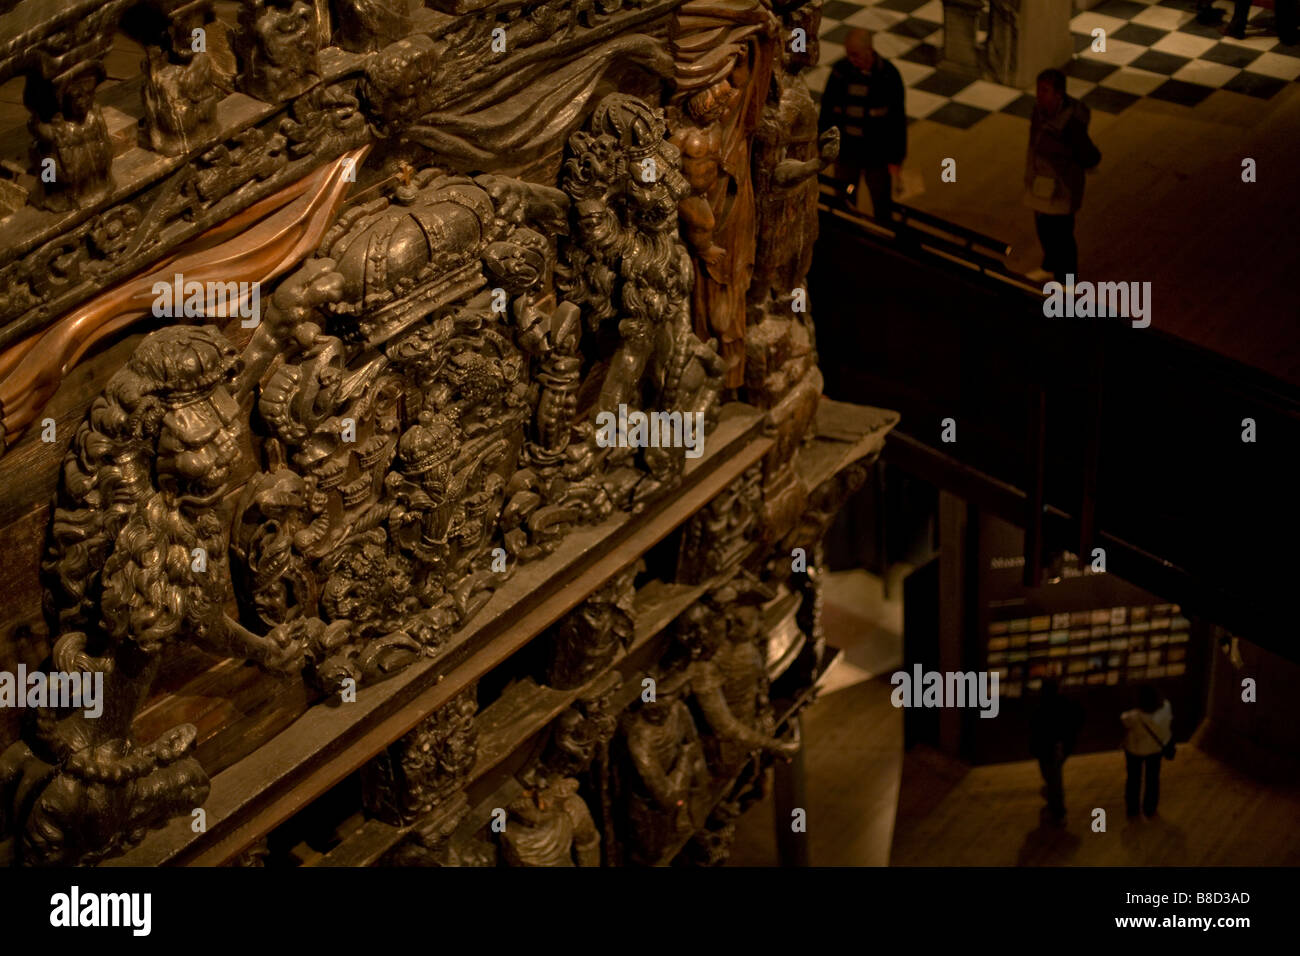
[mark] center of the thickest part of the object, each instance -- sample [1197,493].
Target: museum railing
[1129,439]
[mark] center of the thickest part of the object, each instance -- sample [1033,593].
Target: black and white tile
[1153,48]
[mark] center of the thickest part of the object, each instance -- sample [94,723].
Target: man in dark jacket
[1054,730]
[1060,152]
[864,98]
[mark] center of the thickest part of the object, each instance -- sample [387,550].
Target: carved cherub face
[594,223]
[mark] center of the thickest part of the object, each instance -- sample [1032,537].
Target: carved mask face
[597,622]
[574,738]
[359,587]
[286,34]
[593,223]
[198,448]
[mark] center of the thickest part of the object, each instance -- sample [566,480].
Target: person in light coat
[1148,731]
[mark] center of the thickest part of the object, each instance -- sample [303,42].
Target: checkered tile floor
[1154,48]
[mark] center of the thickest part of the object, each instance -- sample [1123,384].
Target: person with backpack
[1149,740]
[1060,153]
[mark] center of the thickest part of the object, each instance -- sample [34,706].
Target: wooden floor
[871,805]
[853,758]
[854,736]
[1209,815]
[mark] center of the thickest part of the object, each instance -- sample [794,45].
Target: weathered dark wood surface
[329,742]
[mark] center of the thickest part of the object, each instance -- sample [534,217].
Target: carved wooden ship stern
[305,346]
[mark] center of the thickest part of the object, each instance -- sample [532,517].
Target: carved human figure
[788,155]
[276,45]
[549,825]
[715,218]
[729,677]
[67,127]
[723,68]
[580,734]
[589,637]
[180,92]
[420,512]
[670,770]
[628,261]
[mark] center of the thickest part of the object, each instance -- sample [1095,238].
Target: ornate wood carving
[590,637]
[549,824]
[720,532]
[181,88]
[424,768]
[276,46]
[723,58]
[729,674]
[663,777]
[477,228]
[70,147]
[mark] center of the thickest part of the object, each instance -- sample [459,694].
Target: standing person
[1060,151]
[864,98]
[1285,15]
[1149,734]
[1054,731]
